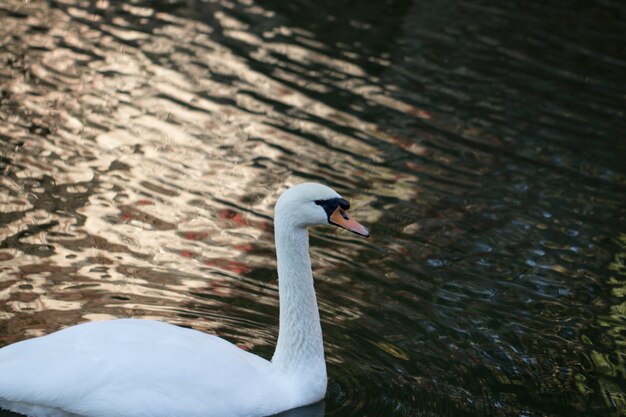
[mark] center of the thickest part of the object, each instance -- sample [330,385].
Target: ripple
[144,145]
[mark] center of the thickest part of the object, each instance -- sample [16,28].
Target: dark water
[143,145]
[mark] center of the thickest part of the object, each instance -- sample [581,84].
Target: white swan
[142,368]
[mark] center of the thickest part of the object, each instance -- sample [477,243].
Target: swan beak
[341,218]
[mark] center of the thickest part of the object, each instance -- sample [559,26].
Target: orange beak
[341,218]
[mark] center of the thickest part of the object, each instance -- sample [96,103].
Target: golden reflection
[150,157]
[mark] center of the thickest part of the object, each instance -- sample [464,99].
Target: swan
[145,368]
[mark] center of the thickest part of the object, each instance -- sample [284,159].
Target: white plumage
[142,368]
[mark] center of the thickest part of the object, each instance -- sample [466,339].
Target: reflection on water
[314,410]
[144,145]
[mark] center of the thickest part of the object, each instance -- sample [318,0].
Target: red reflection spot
[245,247]
[263,225]
[226,213]
[282,91]
[229,265]
[413,166]
[195,235]
[240,219]
[186,254]
[144,202]
[245,345]
[423,114]
[234,216]
[126,217]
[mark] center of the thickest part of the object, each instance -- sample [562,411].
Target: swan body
[144,368]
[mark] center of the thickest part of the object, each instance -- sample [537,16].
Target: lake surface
[144,143]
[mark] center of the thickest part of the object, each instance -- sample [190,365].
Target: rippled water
[144,143]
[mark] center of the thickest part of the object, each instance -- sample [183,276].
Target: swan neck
[300,346]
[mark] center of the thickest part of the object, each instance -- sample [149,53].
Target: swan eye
[344,204]
[331,204]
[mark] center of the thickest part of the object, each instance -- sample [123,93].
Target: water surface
[144,143]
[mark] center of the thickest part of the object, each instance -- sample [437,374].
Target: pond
[144,143]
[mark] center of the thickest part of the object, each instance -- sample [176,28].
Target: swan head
[311,204]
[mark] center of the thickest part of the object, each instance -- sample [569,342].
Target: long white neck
[300,349]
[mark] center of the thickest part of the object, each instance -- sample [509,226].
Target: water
[144,144]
